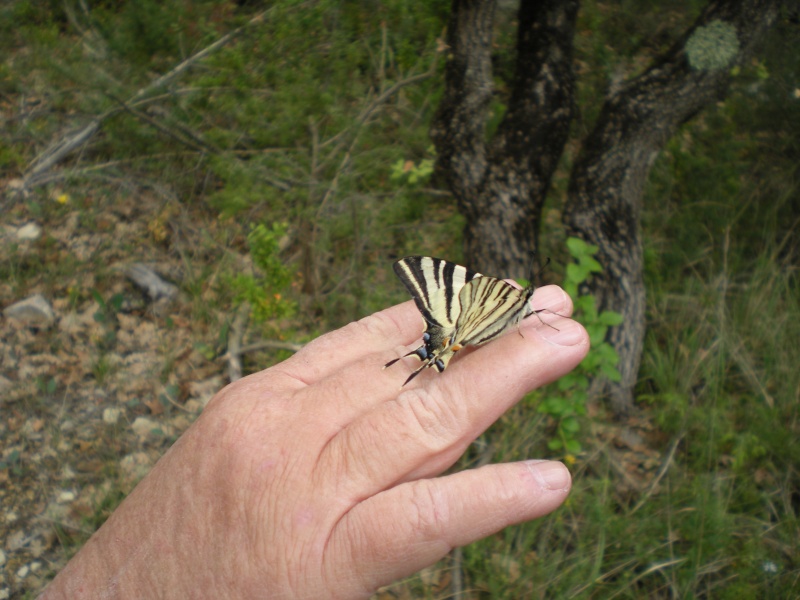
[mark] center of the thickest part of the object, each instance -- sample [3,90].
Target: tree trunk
[500,186]
[608,177]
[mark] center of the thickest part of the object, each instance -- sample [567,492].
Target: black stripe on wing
[489,308]
[434,284]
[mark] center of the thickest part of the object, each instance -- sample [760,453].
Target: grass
[706,507]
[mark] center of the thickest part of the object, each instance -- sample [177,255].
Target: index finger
[332,352]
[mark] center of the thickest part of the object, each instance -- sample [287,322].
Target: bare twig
[61,149]
[175,404]
[665,464]
[373,106]
[234,353]
[179,69]
[357,127]
[195,140]
[457,576]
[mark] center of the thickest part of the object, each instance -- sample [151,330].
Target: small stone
[23,571]
[15,185]
[36,566]
[31,231]
[34,310]
[195,407]
[206,389]
[65,497]
[145,428]
[152,283]
[67,472]
[111,415]
[180,422]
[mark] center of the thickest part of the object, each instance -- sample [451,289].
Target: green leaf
[575,246]
[116,301]
[575,273]
[566,382]
[554,406]
[397,170]
[611,372]
[583,304]
[608,354]
[610,318]
[597,333]
[570,425]
[98,297]
[591,265]
[581,383]
[578,248]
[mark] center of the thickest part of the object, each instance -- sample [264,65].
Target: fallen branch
[195,140]
[58,151]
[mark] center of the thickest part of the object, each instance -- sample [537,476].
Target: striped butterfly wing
[490,307]
[435,285]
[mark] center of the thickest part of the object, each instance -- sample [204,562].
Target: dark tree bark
[500,186]
[608,177]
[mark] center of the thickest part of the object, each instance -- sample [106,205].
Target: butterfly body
[460,307]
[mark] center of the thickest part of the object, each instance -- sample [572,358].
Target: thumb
[422,520]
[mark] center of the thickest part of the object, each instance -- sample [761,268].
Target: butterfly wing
[435,285]
[489,307]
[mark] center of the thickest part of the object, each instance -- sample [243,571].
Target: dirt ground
[91,398]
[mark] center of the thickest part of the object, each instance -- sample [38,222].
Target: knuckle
[436,420]
[379,325]
[428,509]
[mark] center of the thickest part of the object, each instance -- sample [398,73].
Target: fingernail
[551,475]
[550,298]
[563,332]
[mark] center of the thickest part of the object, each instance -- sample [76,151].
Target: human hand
[316,478]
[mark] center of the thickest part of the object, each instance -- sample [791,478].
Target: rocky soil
[99,374]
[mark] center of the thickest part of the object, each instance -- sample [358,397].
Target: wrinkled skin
[317,478]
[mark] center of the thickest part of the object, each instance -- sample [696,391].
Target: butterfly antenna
[534,277]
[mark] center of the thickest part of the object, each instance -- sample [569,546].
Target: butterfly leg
[422,367]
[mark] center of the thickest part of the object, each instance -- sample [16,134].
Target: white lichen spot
[713,46]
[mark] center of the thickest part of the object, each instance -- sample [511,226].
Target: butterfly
[461,308]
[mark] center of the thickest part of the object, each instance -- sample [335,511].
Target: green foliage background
[283,136]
